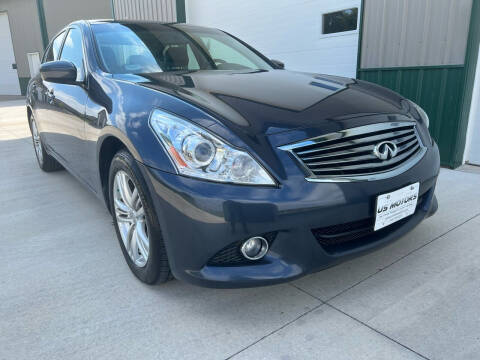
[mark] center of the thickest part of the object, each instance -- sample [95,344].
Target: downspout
[43,23]
[181,16]
[112,2]
[360,34]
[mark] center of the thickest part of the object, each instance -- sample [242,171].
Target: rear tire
[46,162]
[136,222]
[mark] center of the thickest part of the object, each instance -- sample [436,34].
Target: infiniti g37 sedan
[220,167]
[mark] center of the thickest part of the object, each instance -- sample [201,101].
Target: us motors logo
[397,203]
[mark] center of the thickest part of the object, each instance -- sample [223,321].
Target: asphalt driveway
[67,293]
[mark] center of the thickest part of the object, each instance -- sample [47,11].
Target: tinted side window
[340,21]
[225,56]
[73,51]
[54,49]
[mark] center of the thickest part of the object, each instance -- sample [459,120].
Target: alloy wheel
[130,216]
[37,143]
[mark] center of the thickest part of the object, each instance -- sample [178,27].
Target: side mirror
[63,72]
[278,64]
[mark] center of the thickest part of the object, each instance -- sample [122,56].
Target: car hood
[268,102]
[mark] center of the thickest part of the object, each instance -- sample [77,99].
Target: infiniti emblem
[385,150]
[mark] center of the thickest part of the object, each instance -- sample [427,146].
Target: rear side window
[54,49]
[73,51]
[340,21]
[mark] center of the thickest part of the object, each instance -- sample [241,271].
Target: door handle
[50,96]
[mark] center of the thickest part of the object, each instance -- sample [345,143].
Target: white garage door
[305,35]
[8,75]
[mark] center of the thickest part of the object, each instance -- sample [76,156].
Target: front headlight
[421,113]
[197,153]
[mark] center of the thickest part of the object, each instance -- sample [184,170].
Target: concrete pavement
[66,291]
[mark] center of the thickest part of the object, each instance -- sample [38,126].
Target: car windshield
[147,48]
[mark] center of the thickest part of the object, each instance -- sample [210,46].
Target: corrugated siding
[437,90]
[414,32]
[154,10]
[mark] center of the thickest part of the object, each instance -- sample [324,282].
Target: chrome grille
[348,155]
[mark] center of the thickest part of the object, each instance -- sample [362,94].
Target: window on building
[73,51]
[54,49]
[340,21]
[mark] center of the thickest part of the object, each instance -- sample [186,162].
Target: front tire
[46,162]
[136,222]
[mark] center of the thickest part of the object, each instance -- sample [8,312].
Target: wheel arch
[108,147]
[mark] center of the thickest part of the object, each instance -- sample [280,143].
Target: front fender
[122,110]
[111,131]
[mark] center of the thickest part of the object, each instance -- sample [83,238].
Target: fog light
[254,248]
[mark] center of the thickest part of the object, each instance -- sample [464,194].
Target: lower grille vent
[342,237]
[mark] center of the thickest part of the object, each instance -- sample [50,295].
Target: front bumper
[200,218]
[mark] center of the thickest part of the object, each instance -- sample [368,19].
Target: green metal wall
[444,91]
[437,90]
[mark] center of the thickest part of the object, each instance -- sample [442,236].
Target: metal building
[31,23]
[27,25]
[288,30]
[424,49]
[427,50]
[154,10]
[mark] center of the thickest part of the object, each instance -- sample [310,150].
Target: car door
[40,92]
[68,101]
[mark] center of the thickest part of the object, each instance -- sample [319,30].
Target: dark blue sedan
[220,167]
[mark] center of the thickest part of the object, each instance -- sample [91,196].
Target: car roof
[142,22]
